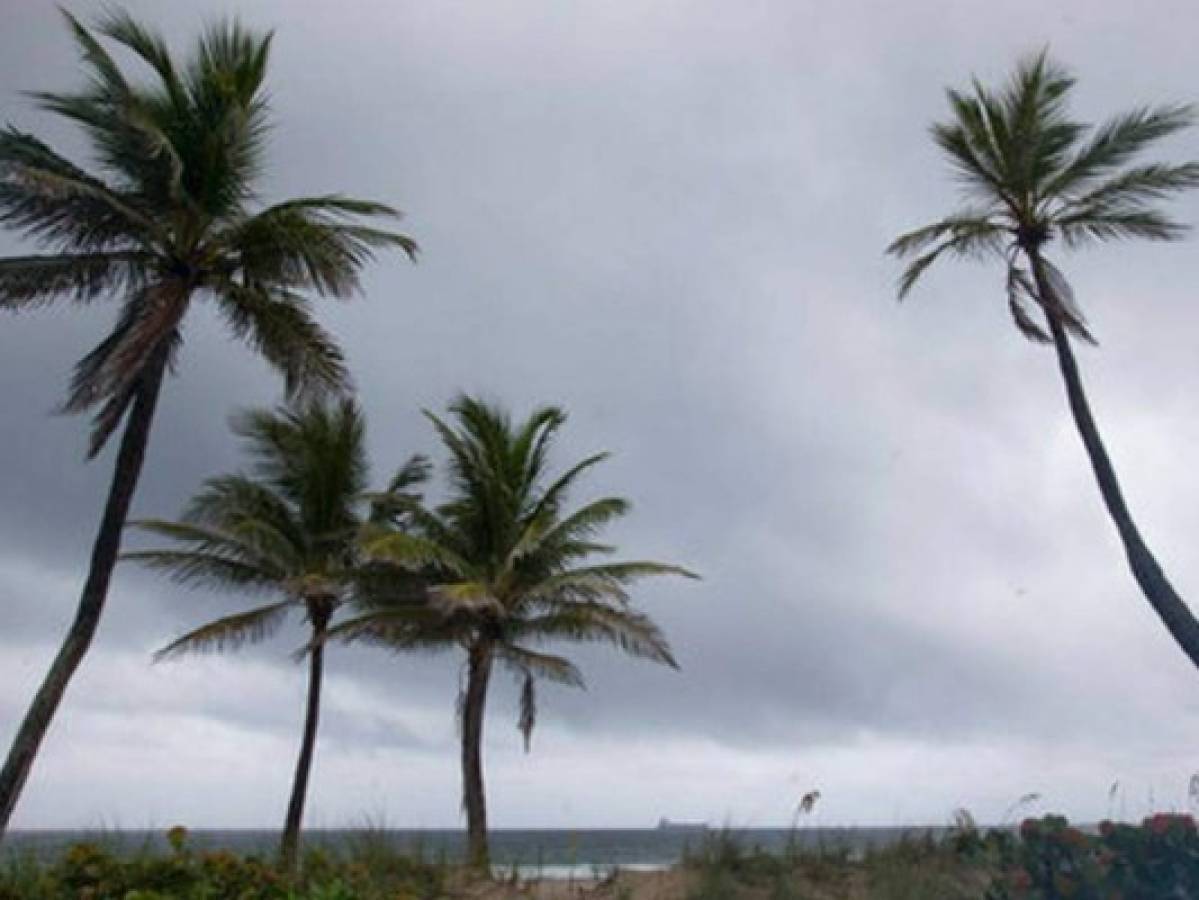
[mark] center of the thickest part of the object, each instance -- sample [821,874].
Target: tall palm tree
[504,561]
[289,529]
[1032,175]
[166,218]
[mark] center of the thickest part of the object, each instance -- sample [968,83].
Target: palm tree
[288,530]
[1032,175]
[504,563]
[169,217]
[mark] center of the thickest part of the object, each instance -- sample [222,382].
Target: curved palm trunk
[1178,619]
[289,849]
[95,590]
[478,674]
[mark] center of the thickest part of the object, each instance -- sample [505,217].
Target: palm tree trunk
[289,850]
[1173,612]
[95,590]
[477,676]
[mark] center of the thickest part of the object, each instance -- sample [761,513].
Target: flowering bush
[1157,860]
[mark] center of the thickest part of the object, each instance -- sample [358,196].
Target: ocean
[532,853]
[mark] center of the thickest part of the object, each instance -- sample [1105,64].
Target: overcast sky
[669,218]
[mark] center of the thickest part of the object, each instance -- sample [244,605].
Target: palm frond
[1060,301]
[548,666]
[393,505]
[204,569]
[1117,141]
[1021,290]
[28,281]
[527,719]
[310,244]
[597,583]
[48,198]
[563,538]
[1136,186]
[230,632]
[1097,224]
[415,629]
[122,27]
[412,552]
[413,473]
[970,234]
[147,328]
[252,549]
[970,147]
[531,665]
[633,632]
[277,325]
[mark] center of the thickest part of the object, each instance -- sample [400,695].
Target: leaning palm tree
[1032,174]
[167,217]
[289,529]
[503,560]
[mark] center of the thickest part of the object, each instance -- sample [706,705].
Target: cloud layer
[668,218]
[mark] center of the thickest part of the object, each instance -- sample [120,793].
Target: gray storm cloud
[668,218]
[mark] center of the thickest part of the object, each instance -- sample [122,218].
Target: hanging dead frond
[528,710]
[1060,302]
[1020,291]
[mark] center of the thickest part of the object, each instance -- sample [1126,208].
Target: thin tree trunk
[473,799]
[289,850]
[95,590]
[1173,612]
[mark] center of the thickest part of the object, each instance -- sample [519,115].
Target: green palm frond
[253,544]
[28,281]
[108,376]
[1088,225]
[548,666]
[967,235]
[1136,186]
[313,455]
[633,632]
[401,631]
[278,325]
[394,505]
[413,552]
[564,538]
[149,46]
[415,472]
[596,583]
[49,199]
[1116,142]
[311,242]
[230,632]
[236,503]
[207,570]
[554,496]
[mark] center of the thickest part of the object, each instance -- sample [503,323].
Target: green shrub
[89,872]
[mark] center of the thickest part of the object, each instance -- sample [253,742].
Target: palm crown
[1031,174]
[170,217]
[288,528]
[505,560]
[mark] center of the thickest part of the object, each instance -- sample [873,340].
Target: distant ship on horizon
[667,825]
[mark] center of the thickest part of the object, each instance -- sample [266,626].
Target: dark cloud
[668,218]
